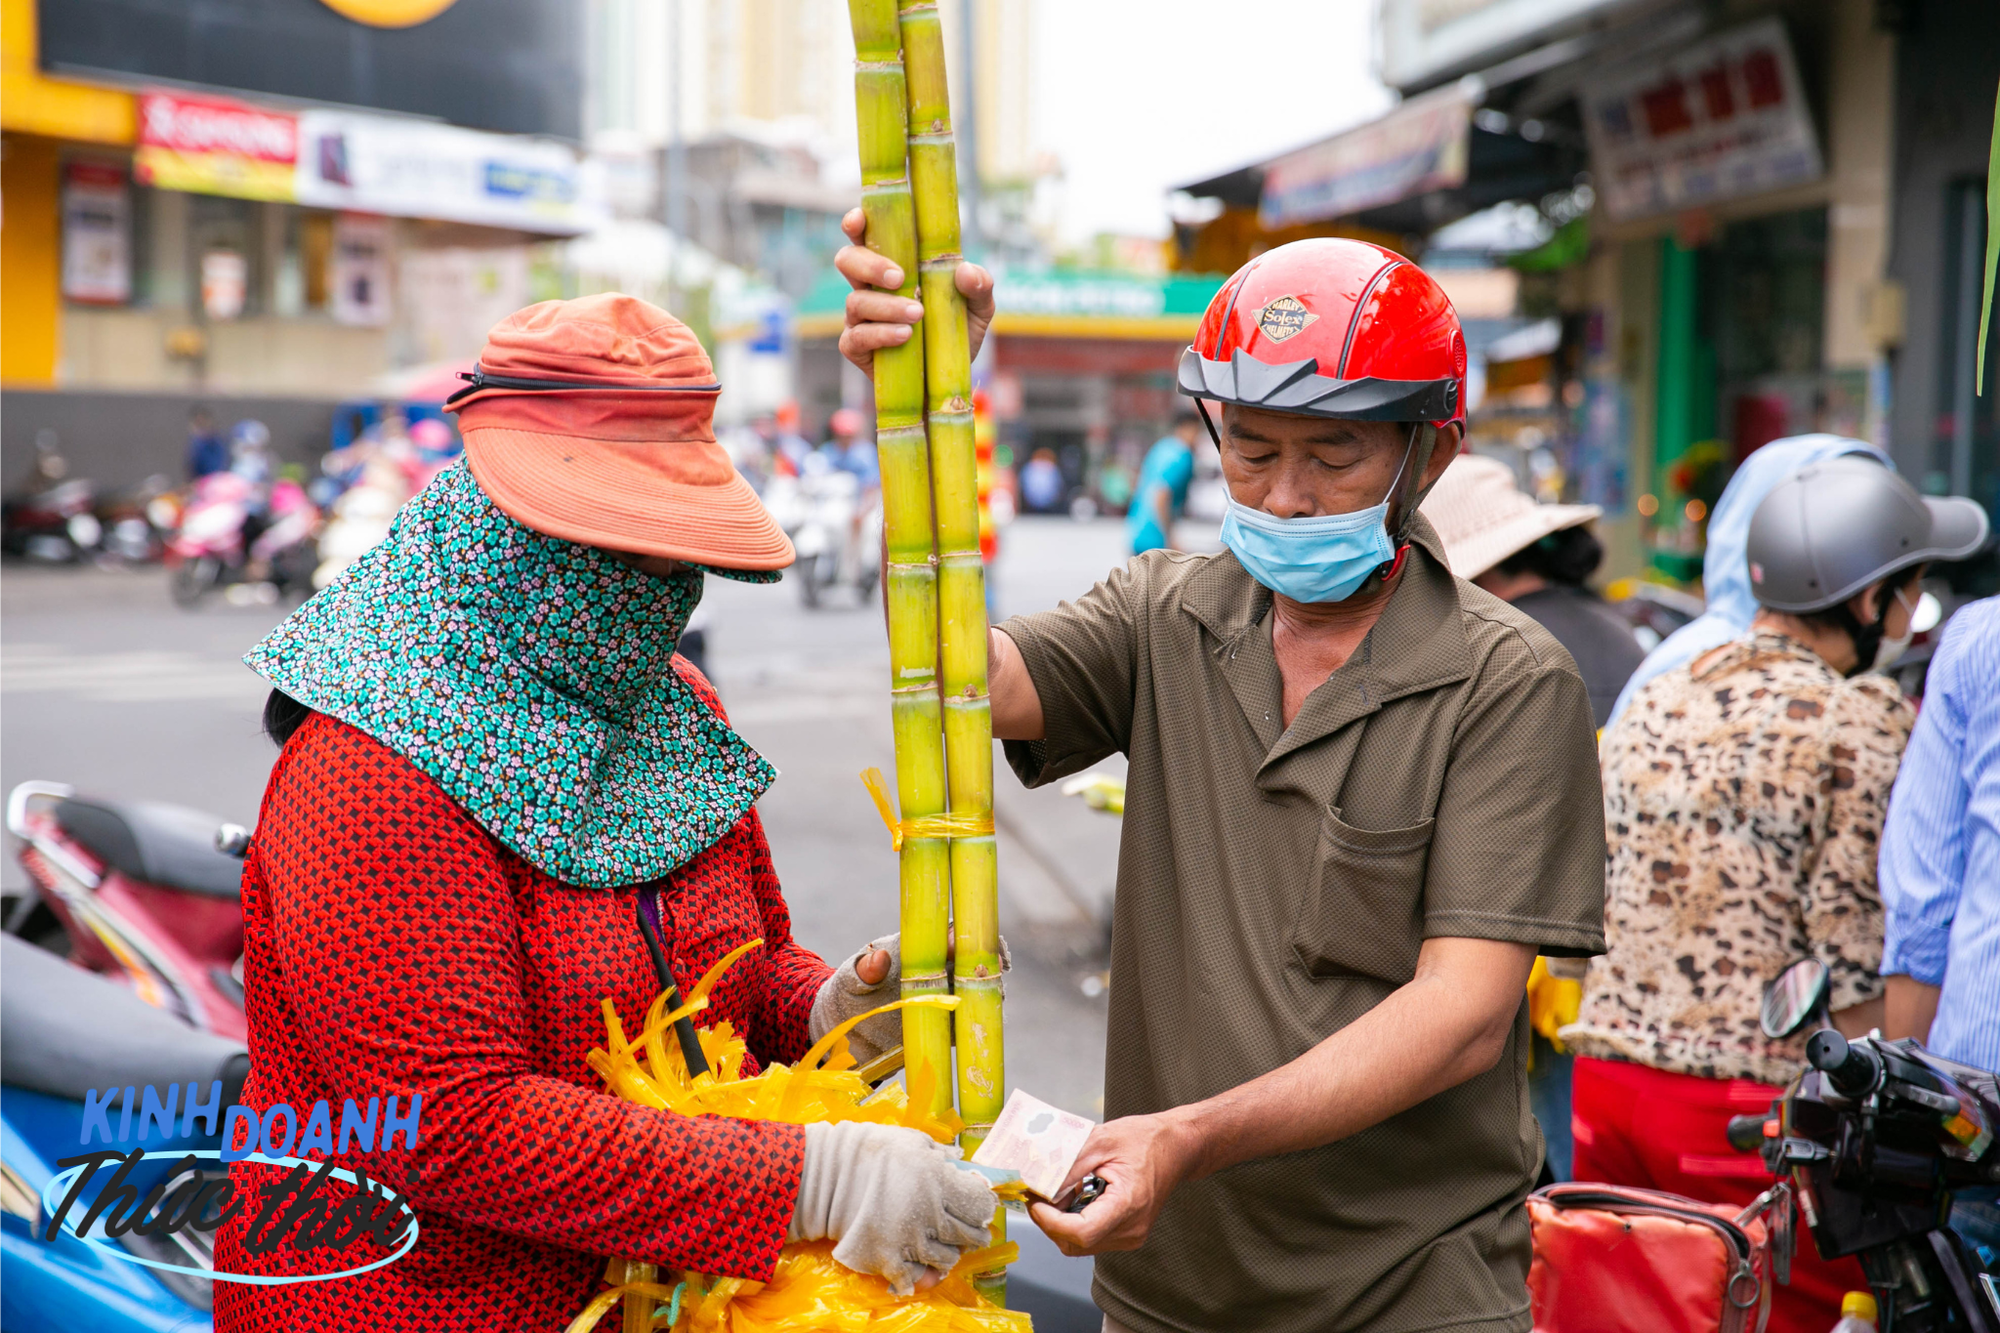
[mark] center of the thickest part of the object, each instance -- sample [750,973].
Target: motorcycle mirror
[1794,996]
[232,840]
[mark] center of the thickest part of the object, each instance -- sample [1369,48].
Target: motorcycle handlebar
[1746,1132]
[1851,1069]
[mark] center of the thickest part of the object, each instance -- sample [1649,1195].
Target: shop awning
[1420,165]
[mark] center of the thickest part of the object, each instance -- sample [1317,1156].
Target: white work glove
[845,994]
[895,1200]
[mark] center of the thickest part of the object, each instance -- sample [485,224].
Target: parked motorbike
[48,516]
[64,1032]
[216,544]
[1875,1137]
[139,891]
[129,519]
[839,536]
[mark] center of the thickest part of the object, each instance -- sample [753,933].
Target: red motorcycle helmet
[1331,328]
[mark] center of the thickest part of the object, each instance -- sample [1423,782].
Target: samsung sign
[511,66]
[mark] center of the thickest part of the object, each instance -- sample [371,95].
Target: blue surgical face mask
[1320,559]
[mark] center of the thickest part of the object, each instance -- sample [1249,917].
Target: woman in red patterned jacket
[493,767]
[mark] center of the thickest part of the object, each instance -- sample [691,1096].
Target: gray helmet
[1834,527]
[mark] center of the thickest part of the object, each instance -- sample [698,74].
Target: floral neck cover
[531,677]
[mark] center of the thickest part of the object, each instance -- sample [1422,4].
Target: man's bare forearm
[1017,707]
[1447,1024]
[1909,1007]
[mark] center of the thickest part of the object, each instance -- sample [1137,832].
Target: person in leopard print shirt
[1744,799]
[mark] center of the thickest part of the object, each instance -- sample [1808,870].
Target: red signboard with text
[212,145]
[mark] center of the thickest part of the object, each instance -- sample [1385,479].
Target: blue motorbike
[63,1033]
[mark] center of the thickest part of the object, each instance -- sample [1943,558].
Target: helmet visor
[1297,387]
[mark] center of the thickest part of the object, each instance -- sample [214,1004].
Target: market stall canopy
[1418,166]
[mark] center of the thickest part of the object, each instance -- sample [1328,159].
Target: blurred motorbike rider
[250,458]
[496,778]
[1351,821]
[1744,796]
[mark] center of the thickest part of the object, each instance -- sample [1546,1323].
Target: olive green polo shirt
[1275,884]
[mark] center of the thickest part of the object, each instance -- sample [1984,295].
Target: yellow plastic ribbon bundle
[923,826]
[809,1292]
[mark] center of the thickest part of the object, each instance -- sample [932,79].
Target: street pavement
[111,688]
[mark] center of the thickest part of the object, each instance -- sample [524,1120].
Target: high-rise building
[783,67]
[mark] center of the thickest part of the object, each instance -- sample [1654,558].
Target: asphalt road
[107,686]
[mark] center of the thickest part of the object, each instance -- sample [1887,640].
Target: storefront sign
[1724,118]
[211,145]
[1422,38]
[359,271]
[96,234]
[1419,146]
[405,168]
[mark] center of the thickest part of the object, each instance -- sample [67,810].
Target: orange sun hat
[593,420]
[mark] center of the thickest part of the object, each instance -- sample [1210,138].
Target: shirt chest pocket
[1363,909]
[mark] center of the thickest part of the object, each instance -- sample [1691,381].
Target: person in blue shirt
[206,454]
[1725,575]
[1162,489]
[1940,872]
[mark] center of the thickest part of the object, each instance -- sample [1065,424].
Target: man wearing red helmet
[1362,796]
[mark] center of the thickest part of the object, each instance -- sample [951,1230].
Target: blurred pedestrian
[1352,823]
[1042,482]
[851,451]
[1536,556]
[206,453]
[1744,797]
[1941,872]
[786,439]
[1161,492]
[1725,576]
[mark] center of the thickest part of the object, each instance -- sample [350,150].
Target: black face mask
[1867,638]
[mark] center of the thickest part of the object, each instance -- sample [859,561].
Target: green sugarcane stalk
[968,718]
[911,582]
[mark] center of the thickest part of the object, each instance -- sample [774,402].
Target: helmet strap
[1207,421]
[1423,439]
[1867,638]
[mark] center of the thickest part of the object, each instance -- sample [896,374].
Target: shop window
[1965,443]
[1761,325]
[315,251]
[225,254]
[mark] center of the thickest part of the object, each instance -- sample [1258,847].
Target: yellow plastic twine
[809,1292]
[923,826]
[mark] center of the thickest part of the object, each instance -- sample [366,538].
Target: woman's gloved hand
[870,979]
[894,1200]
